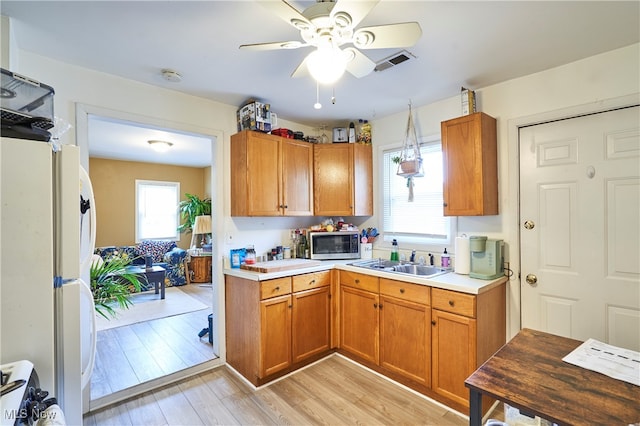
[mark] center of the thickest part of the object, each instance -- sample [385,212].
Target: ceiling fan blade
[356,9]
[404,34]
[360,65]
[273,45]
[302,70]
[288,13]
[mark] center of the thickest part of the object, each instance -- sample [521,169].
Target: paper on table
[619,363]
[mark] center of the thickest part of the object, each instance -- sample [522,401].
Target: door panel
[580,189]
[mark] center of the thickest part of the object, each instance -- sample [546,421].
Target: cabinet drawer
[454,302]
[309,281]
[361,281]
[405,291]
[276,287]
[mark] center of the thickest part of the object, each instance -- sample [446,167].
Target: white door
[580,227]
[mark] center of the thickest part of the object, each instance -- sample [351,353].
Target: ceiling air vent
[393,60]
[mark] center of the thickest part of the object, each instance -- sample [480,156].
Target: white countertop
[448,281]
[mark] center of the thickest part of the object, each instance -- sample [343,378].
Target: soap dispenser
[445,259]
[394,250]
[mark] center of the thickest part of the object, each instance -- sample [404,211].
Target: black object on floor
[208,330]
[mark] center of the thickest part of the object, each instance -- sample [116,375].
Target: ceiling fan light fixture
[160,146]
[326,66]
[362,39]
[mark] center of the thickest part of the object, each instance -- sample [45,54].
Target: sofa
[164,253]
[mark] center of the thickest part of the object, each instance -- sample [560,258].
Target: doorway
[579,228]
[134,351]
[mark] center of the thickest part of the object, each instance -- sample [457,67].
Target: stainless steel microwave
[334,245]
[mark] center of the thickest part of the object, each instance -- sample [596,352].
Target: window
[157,215]
[420,222]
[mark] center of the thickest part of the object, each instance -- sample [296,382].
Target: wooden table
[154,275]
[528,373]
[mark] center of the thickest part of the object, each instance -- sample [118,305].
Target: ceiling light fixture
[160,146]
[327,64]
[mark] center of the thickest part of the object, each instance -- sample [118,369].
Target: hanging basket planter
[410,161]
[410,168]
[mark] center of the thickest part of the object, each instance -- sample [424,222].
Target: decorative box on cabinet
[270,175]
[469,149]
[343,180]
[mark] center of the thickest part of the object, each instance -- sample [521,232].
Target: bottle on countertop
[394,250]
[444,259]
[250,257]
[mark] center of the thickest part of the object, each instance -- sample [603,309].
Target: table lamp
[201,226]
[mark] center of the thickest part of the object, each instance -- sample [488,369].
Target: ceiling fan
[329,25]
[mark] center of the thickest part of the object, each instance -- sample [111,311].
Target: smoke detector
[393,60]
[171,75]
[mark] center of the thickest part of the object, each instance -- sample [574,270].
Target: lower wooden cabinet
[454,349]
[466,330]
[275,335]
[271,328]
[359,321]
[405,338]
[311,327]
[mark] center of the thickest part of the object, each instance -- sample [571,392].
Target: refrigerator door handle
[87,369]
[85,258]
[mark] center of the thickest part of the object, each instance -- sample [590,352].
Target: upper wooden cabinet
[270,175]
[469,149]
[343,180]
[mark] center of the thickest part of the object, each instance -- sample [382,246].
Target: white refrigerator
[46,308]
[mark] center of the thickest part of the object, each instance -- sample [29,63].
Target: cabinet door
[333,179]
[310,324]
[359,325]
[263,176]
[454,354]
[362,180]
[275,335]
[297,177]
[201,268]
[405,339]
[469,150]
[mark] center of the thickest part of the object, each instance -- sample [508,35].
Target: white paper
[619,363]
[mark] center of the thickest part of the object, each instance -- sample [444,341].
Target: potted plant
[190,208]
[112,286]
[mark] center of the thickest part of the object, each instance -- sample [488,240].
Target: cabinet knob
[380,306]
[357,281]
[277,288]
[312,282]
[451,303]
[433,322]
[444,204]
[290,306]
[375,305]
[402,290]
[286,206]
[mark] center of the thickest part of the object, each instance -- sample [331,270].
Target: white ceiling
[473,44]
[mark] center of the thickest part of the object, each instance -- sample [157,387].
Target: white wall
[589,81]
[579,86]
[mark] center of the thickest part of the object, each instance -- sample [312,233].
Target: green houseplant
[191,207]
[112,285]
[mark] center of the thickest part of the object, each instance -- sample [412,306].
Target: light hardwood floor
[130,355]
[333,391]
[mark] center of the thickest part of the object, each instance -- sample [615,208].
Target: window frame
[412,241]
[157,183]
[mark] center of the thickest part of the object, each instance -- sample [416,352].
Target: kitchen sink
[409,268]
